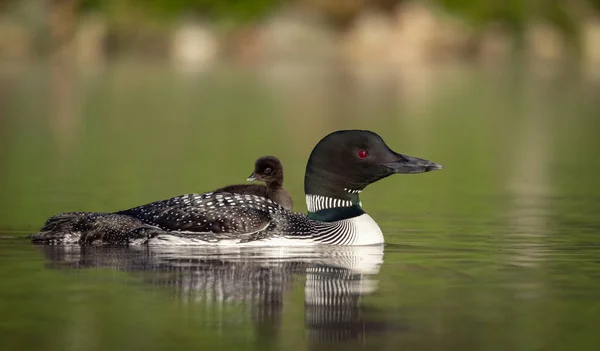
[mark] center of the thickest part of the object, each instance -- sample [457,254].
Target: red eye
[362,153]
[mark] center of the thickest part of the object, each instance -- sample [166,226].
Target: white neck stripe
[316,203]
[351,191]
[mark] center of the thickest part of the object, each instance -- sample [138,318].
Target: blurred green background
[106,105]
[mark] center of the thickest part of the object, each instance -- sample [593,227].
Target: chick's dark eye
[268,170]
[363,153]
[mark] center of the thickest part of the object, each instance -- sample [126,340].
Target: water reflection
[259,279]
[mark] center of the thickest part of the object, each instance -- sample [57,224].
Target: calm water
[499,251]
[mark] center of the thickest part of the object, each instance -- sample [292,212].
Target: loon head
[267,169]
[345,162]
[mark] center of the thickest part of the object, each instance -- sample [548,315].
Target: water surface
[498,251]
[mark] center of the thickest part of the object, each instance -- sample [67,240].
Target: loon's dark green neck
[336,214]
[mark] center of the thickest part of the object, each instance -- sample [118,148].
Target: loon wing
[217,213]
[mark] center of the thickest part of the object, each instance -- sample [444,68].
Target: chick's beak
[252,177]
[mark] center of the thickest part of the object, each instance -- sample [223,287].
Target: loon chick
[267,169]
[340,166]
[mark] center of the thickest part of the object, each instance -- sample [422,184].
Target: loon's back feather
[210,217]
[210,212]
[278,195]
[90,227]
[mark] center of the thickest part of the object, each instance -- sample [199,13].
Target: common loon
[340,166]
[267,169]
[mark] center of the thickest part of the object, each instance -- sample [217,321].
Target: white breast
[366,231]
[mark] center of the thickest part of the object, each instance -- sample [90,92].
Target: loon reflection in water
[259,278]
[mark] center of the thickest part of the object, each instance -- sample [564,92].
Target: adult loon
[340,166]
[267,169]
